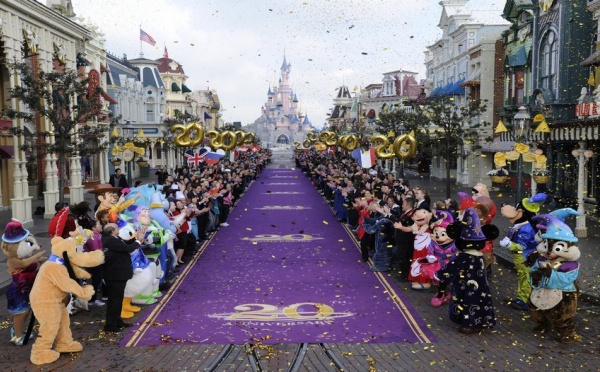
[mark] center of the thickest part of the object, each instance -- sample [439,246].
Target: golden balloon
[199,137]
[215,139]
[228,140]
[312,137]
[239,137]
[329,138]
[382,147]
[352,142]
[181,135]
[405,146]
[249,138]
[297,145]
[307,143]
[348,142]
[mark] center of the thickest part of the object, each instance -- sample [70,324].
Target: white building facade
[464,54]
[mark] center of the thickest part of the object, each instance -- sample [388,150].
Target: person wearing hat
[118,179]
[521,241]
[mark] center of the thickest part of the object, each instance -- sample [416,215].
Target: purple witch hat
[471,230]
[443,218]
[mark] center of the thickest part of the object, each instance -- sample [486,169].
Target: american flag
[147,38]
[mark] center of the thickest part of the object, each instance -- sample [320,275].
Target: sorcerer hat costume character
[471,302]
[553,300]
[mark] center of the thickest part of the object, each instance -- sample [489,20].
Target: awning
[175,87]
[519,58]
[185,89]
[435,92]
[7,152]
[474,78]
[445,89]
[456,89]
[593,60]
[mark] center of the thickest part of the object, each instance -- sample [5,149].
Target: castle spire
[284,65]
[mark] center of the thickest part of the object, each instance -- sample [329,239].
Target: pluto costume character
[50,292]
[553,300]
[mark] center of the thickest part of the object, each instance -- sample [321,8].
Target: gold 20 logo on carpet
[284,207]
[281,238]
[299,312]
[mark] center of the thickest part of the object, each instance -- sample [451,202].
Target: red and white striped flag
[147,38]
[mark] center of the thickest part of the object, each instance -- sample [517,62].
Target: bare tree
[66,101]
[442,128]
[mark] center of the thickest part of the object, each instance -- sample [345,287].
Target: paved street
[512,345]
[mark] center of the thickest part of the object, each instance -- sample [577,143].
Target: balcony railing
[517,101]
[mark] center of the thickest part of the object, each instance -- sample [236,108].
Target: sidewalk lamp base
[581,232]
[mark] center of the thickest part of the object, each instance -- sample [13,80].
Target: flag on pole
[233,155]
[194,159]
[365,159]
[213,157]
[207,116]
[147,38]
[166,53]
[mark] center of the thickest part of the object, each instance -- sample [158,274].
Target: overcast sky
[236,46]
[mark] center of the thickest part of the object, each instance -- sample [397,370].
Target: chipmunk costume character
[553,300]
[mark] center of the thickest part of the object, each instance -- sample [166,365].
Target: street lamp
[128,150]
[520,132]
[582,157]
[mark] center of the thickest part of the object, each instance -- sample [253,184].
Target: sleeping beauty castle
[281,123]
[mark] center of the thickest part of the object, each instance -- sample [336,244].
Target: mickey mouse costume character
[471,303]
[553,300]
[521,241]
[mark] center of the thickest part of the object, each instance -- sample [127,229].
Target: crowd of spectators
[204,194]
[357,193]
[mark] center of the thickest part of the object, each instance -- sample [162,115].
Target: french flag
[365,159]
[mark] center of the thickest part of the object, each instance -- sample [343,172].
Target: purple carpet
[283,271]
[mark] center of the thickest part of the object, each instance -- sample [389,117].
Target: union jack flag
[194,159]
[147,38]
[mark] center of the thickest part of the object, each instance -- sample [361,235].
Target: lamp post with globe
[582,155]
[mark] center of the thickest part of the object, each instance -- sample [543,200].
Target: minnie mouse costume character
[441,250]
[471,303]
